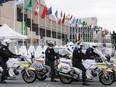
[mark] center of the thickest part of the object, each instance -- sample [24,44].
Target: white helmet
[51,43]
[6,42]
[80,45]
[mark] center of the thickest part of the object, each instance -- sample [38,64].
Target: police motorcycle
[42,70]
[68,74]
[110,61]
[20,65]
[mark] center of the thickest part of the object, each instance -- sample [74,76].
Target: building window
[20,15]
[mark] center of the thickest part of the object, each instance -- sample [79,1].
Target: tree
[113,38]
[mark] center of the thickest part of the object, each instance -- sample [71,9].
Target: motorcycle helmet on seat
[6,42]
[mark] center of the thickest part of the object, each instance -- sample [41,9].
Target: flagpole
[70,32]
[65,34]
[81,32]
[31,24]
[51,28]
[89,35]
[61,31]
[45,28]
[14,15]
[23,21]
[38,28]
[56,31]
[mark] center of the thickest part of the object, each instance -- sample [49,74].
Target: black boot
[85,83]
[3,81]
[53,80]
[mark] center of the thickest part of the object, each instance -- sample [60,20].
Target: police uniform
[50,58]
[78,55]
[5,54]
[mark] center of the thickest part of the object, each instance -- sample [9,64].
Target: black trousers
[4,66]
[51,65]
[81,67]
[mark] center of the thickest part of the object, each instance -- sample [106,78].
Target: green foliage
[113,37]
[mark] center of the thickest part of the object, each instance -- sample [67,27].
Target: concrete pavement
[47,83]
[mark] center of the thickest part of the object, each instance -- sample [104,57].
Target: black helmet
[50,43]
[104,45]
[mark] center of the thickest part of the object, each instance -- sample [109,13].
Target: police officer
[90,52]
[78,55]
[5,54]
[50,58]
[105,52]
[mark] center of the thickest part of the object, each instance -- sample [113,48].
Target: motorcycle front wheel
[106,81]
[114,75]
[29,78]
[41,77]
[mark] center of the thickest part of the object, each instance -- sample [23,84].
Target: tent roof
[7,32]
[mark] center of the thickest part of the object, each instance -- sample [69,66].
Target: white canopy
[7,32]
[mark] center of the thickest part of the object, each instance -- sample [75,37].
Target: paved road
[47,83]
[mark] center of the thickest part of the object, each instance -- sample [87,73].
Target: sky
[104,10]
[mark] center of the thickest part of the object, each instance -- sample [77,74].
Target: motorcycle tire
[65,79]
[29,79]
[106,81]
[41,77]
[114,75]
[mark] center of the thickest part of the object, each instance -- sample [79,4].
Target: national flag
[96,26]
[36,10]
[49,11]
[63,18]
[18,3]
[56,14]
[105,32]
[76,20]
[83,23]
[28,6]
[45,10]
[70,18]
[3,1]
[61,14]
[73,21]
[59,21]
[79,22]
[67,17]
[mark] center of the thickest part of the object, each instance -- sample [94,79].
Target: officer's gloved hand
[18,55]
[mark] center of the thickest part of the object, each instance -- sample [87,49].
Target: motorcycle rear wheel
[65,79]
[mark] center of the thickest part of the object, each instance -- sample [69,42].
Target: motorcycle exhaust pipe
[65,75]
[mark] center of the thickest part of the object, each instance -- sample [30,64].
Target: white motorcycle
[16,67]
[67,73]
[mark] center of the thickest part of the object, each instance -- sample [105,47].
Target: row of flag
[48,11]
